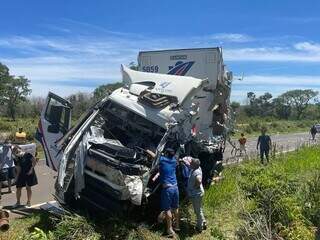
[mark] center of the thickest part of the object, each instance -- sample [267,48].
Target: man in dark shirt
[264,141]
[169,193]
[313,132]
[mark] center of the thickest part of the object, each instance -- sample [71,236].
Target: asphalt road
[42,192]
[284,143]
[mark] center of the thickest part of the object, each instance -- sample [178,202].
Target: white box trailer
[203,63]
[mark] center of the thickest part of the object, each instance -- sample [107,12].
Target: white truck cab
[103,159]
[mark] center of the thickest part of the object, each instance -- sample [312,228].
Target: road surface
[42,193]
[284,143]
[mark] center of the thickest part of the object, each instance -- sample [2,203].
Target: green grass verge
[252,126]
[235,207]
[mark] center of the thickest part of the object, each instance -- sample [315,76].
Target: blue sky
[76,45]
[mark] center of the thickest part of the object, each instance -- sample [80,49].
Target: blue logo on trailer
[180,68]
[164,84]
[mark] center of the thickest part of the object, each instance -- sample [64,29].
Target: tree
[81,102]
[298,99]
[235,106]
[281,109]
[259,106]
[4,79]
[15,91]
[104,90]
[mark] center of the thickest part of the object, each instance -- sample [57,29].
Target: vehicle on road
[103,159]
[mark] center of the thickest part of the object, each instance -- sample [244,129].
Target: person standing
[196,192]
[242,142]
[7,172]
[313,132]
[169,198]
[264,142]
[26,176]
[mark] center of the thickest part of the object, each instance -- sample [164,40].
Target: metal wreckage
[103,159]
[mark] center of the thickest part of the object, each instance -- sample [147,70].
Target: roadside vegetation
[252,126]
[252,202]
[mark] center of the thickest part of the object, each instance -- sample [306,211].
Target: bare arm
[198,181]
[18,171]
[34,162]
[150,153]
[258,142]
[270,143]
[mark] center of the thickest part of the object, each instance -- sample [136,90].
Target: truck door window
[58,115]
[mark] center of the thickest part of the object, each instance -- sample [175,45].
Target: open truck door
[54,123]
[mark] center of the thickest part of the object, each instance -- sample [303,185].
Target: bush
[311,200]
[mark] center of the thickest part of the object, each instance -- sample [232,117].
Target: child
[242,141]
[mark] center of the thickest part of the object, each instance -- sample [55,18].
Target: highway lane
[283,142]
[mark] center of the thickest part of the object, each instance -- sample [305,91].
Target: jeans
[198,210]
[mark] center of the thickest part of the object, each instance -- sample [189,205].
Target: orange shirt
[242,140]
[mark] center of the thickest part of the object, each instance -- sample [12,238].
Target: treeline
[292,105]
[15,100]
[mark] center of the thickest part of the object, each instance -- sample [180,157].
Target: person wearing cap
[26,176]
[196,191]
[169,199]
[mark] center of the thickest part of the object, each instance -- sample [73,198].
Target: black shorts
[7,173]
[26,180]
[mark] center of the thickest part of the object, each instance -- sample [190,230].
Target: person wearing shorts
[26,176]
[169,198]
[242,143]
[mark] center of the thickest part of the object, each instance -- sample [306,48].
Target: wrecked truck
[103,159]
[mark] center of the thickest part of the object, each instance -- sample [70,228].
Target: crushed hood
[171,85]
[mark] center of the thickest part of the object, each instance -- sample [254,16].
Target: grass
[21,228]
[8,128]
[227,205]
[11,127]
[252,126]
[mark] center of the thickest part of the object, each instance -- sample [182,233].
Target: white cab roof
[171,85]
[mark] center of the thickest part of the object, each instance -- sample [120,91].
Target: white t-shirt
[194,191]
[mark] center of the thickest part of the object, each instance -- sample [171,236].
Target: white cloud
[97,57]
[231,37]
[307,46]
[273,54]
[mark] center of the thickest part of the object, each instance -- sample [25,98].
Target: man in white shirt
[196,191]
